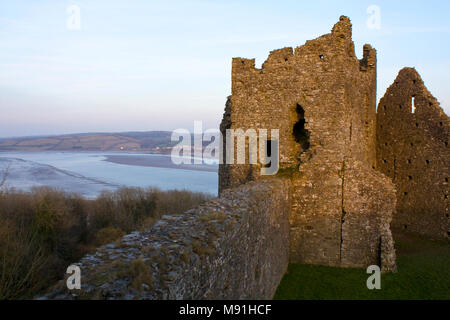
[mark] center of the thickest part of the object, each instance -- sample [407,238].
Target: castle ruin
[323,101]
[346,171]
[412,150]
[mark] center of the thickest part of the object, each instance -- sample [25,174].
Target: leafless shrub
[44,231]
[4,175]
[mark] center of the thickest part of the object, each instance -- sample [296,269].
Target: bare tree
[4,175]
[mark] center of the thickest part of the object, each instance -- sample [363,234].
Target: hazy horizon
[80,133]
[158,66]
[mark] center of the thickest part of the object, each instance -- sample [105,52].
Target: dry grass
[108,235]
[44,231]
[140,274]
[200,249]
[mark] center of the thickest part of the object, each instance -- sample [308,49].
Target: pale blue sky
[160,65]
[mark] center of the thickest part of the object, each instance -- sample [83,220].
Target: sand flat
[157,161]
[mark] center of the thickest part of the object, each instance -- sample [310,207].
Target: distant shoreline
[157,161]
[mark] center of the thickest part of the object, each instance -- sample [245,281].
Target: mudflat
[157,161]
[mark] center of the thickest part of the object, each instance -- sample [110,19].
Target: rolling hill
[154,141]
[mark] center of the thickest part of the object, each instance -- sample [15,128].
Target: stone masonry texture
[235,247]
[322,99]
[412,149]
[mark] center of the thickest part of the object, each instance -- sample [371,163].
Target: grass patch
[287,172]
[423,274]
[140,274]
[200,249]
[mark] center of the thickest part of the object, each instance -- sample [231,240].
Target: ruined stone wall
[412,149]
[235,247]
[323,101]
[336,91]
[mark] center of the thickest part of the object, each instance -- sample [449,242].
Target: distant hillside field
[155,141]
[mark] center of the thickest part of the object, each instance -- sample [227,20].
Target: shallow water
[88,173]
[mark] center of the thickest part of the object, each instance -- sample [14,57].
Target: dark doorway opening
[301,135]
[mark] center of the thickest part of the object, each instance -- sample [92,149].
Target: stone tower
[322,99]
